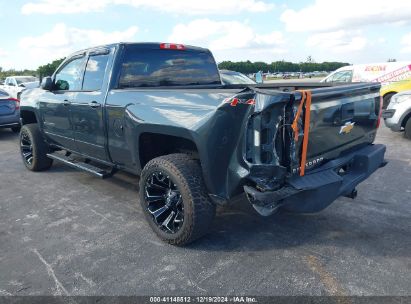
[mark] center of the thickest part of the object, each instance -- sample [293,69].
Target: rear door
[55,105]
[87,107]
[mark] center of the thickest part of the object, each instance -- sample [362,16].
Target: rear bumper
[320,187]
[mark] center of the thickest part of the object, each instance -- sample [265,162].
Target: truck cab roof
[143,45]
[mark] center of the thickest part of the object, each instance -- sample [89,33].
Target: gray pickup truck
[160,111]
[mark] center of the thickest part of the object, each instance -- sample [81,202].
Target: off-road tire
[407,128]
[199,211]
[40,148]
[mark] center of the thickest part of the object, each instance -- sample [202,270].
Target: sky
[35,32]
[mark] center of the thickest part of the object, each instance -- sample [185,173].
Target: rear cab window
[155,67]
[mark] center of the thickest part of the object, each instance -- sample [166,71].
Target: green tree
[248,67]
[48,69]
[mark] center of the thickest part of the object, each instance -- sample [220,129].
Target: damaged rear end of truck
[300,150]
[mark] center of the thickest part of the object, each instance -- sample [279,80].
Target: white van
[394,77]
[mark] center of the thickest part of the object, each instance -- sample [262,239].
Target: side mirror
[21,85]
[47,83]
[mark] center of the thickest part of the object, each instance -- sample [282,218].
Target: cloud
[332,15]
[63,40]
[338,42]
[49,7]
[230,40]
[224,35]
[183,7]
[406,43]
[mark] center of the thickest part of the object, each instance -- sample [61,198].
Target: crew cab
[14,85]
[160,111]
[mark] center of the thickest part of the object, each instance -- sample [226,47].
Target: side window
[343,76]
[69,77]
[95,70]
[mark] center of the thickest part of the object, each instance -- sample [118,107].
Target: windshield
[341,76]
[157,67]
[21,80]
[235,78]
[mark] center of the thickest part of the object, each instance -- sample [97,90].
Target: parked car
[14,85]
[9,112]
[161,111]
[397,116]
[233,77]
[389,90]
[394,77]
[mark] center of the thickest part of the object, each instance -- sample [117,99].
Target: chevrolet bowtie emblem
[347,128]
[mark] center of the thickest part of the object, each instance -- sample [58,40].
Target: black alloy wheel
[174,198]
[34,149]
[164,202]
[26,148]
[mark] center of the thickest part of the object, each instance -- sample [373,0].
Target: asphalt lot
[66,232]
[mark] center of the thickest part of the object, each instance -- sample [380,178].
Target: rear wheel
[34,149]
[174,199]
[386,100]
[407,132]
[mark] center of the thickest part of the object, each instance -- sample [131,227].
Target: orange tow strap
[305,99]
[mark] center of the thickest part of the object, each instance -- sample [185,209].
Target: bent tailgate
[342,118]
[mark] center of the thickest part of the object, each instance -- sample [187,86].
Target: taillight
[16,102]
[380,113]
[172,46]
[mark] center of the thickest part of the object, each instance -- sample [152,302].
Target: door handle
[94,104]
[66,102]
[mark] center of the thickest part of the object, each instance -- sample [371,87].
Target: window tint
[157,67]
[93,78]
[69,78]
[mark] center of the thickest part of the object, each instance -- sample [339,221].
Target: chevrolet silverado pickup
[160,111]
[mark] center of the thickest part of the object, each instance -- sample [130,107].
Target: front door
[87,108]
[55,105]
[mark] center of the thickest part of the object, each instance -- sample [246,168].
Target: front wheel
[174,199]
[34,149]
